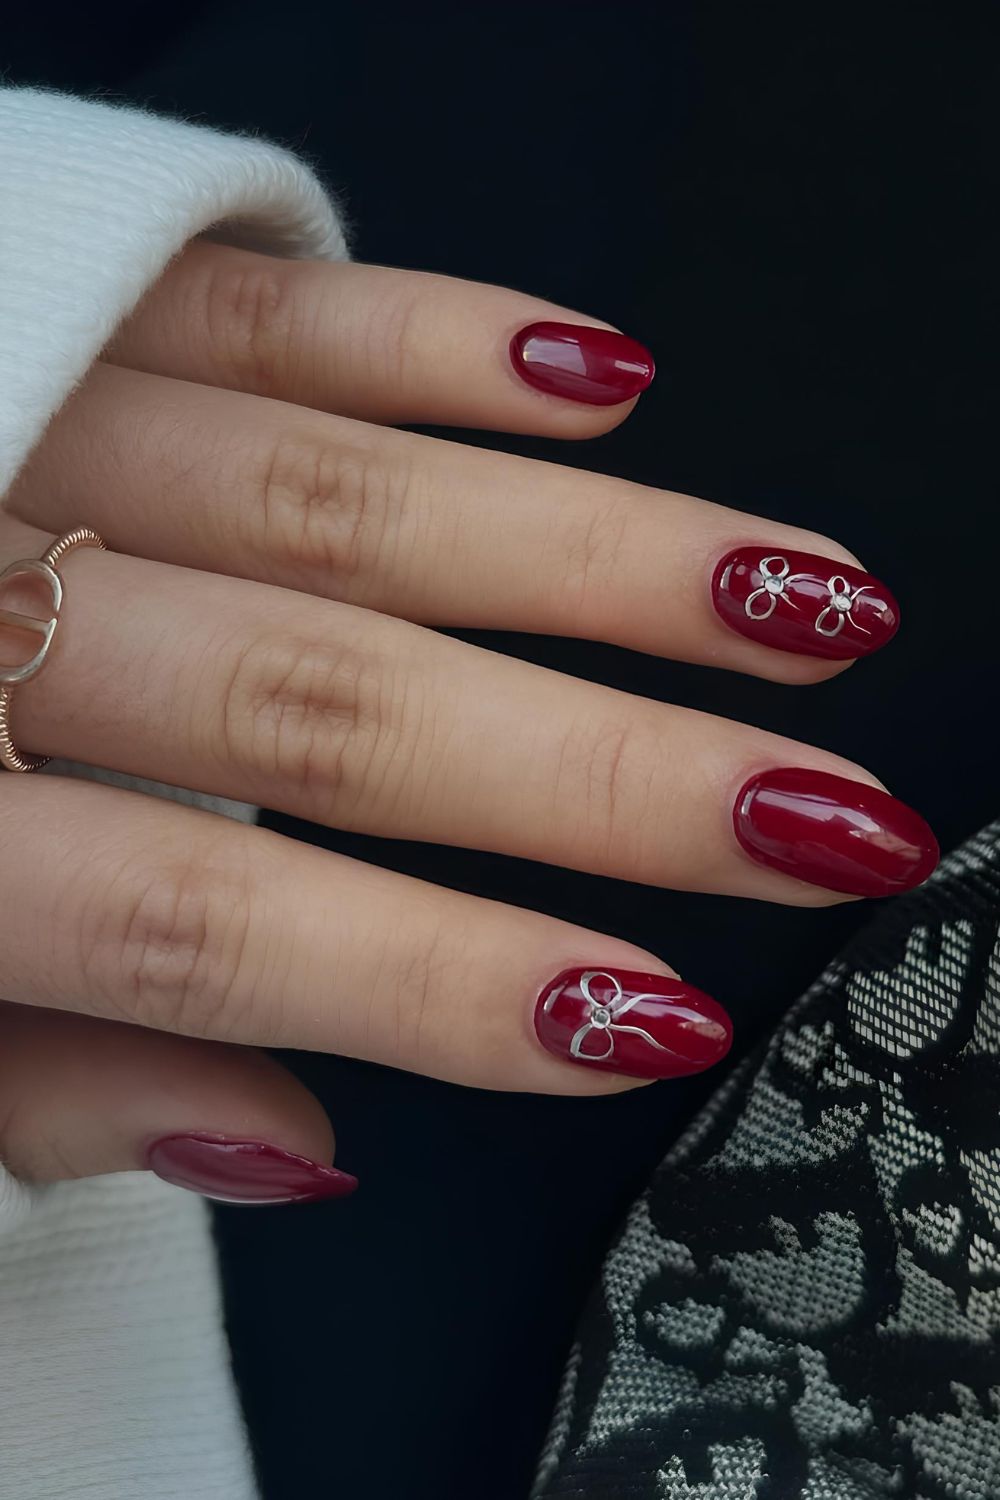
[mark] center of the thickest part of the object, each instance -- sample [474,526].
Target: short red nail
[833,832]
[236,1171]
[796,601]
[642,1025]
[593,365]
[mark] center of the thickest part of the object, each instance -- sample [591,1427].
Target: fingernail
[796,601]
[593,365]
[236,1171]
[833,832]
[642,1025]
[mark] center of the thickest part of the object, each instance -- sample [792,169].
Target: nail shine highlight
[595,366]
[230,1170]
[833,832]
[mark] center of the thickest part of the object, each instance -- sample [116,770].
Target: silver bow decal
[829,621]
[603,1019]
[842,601]
[773,587]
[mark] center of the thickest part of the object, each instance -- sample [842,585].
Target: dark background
[794,217]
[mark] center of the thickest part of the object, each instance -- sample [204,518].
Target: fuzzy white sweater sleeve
[114,1370]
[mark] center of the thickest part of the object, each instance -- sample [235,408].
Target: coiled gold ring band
[44,567]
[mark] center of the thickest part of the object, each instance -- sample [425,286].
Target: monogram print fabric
[805,1303]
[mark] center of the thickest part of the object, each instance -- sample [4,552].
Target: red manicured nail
[643,1025]
[234,1171]
[833,832]
[796,601]
[592,365]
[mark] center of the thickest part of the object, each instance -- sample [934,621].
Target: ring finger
[373,724]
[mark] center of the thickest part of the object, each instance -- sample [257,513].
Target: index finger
[384,345]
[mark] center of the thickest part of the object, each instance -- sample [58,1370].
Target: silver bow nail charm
[842,601]
[603,1019]
[772,589]
[801,602]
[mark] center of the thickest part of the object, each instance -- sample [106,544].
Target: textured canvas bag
[806,1300]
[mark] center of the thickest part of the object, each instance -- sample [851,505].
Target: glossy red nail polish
[593,365]
[642,1025]
[796,601]
[237,1171]
[833,832]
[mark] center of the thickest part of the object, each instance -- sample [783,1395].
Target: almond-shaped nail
[240,1171]
[833,832]
[594,365]
[798,601]
[640,1025]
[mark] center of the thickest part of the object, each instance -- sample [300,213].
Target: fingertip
[89,1096]
[571,423]
[799,671]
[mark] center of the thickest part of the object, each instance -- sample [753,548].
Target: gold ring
[10,677]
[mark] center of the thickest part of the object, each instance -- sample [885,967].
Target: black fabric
[805,1303]
[791,210]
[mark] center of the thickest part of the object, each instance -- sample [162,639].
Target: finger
[82,1097]
[441,533]
[372,724]
[137,909]
[384,345]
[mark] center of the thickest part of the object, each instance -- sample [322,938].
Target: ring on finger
[45,567]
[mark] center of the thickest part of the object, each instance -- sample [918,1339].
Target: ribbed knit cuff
[95,200]
[15,1201]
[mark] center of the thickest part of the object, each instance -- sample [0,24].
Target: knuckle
[317,718]
[384,348]
[594,550]
[325,510]
[253,314]
[614,769]
[168,950]
[411,987]
[416,1029]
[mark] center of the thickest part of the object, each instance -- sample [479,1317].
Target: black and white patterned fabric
[805,1303]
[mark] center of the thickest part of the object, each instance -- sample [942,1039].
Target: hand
[259,631]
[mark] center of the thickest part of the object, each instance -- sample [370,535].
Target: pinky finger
[81,1096]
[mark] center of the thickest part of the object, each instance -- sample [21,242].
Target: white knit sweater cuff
[94,202]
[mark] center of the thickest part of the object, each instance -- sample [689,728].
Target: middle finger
[445,534]
[372,724]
